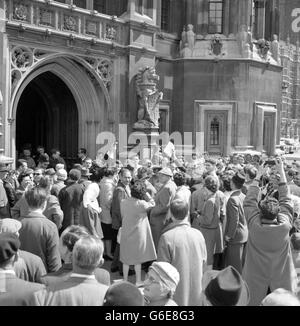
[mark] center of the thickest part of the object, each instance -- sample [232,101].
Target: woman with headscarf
[160,285]
[209,219]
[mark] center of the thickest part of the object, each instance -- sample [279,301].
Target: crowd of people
[207,231]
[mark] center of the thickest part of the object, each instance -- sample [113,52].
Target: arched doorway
[47,115]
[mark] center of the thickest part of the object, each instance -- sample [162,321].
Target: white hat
[9,225]
[166,171]
[167,273]
[281,297]
[62,174]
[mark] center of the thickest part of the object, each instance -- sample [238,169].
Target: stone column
[4,88]
[189,12]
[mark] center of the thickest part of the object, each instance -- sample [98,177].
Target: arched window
[215,132]
[165,14]
[215,16]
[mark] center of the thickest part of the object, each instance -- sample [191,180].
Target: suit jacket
[16,292]
[29,267]
[4,205]
[10,193]
[236,225]
[184,248]
[70,199]
[54,161]
[102,275]
[52,211]
[39,236]
[75,291]
[269,262]
[160,213]
[119,194]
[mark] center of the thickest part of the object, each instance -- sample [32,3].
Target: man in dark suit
[4,204]
[81,288]
[13,291]
[56,159]
[39,235]
[82,155]
[70,199]
[121,192]
[236,230]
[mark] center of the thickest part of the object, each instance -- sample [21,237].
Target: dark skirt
[107,231]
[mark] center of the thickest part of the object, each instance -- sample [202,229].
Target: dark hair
[123,170]
[212,183]
[141,171]
[35,197]
[238,181]
[269,208]
[20,162]
[83,151]
[72,235]
[251,171]
[179,179]
[97,174]
[43,158]
[179,209]
[138,190]
[108,172]
[23,175]
[54,150]
[226,184]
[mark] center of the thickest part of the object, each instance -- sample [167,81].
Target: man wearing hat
[13,291]
[27,266]
[269,264]
[70,199]
[4,204]
[224,288]
[160,212]
[85,178]
[236,230]
[61,176]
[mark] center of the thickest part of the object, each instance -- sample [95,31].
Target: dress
[136,245]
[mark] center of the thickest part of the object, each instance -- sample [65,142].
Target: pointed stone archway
[88,91]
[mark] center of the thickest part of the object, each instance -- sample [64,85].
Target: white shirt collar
[90,277]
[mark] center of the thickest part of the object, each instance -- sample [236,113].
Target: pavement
[115,277]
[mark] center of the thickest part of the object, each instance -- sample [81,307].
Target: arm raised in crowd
[285,201]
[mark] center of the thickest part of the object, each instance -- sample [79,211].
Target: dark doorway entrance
[47,115]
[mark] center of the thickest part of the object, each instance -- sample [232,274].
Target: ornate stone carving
[103,68]
[190,37]
[70,23]
[216,46]
[21,57]
[148,99]
[263,47]
[20,12]
[110,33]
[46,17]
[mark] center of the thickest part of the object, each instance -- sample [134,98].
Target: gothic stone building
[68,71]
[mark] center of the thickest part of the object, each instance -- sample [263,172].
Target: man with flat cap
[236,229]
[13,291]
[160,212]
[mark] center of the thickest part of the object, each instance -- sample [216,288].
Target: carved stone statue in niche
[148,99]
[191,37]
[263,47]
[275,48]
[245,41]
